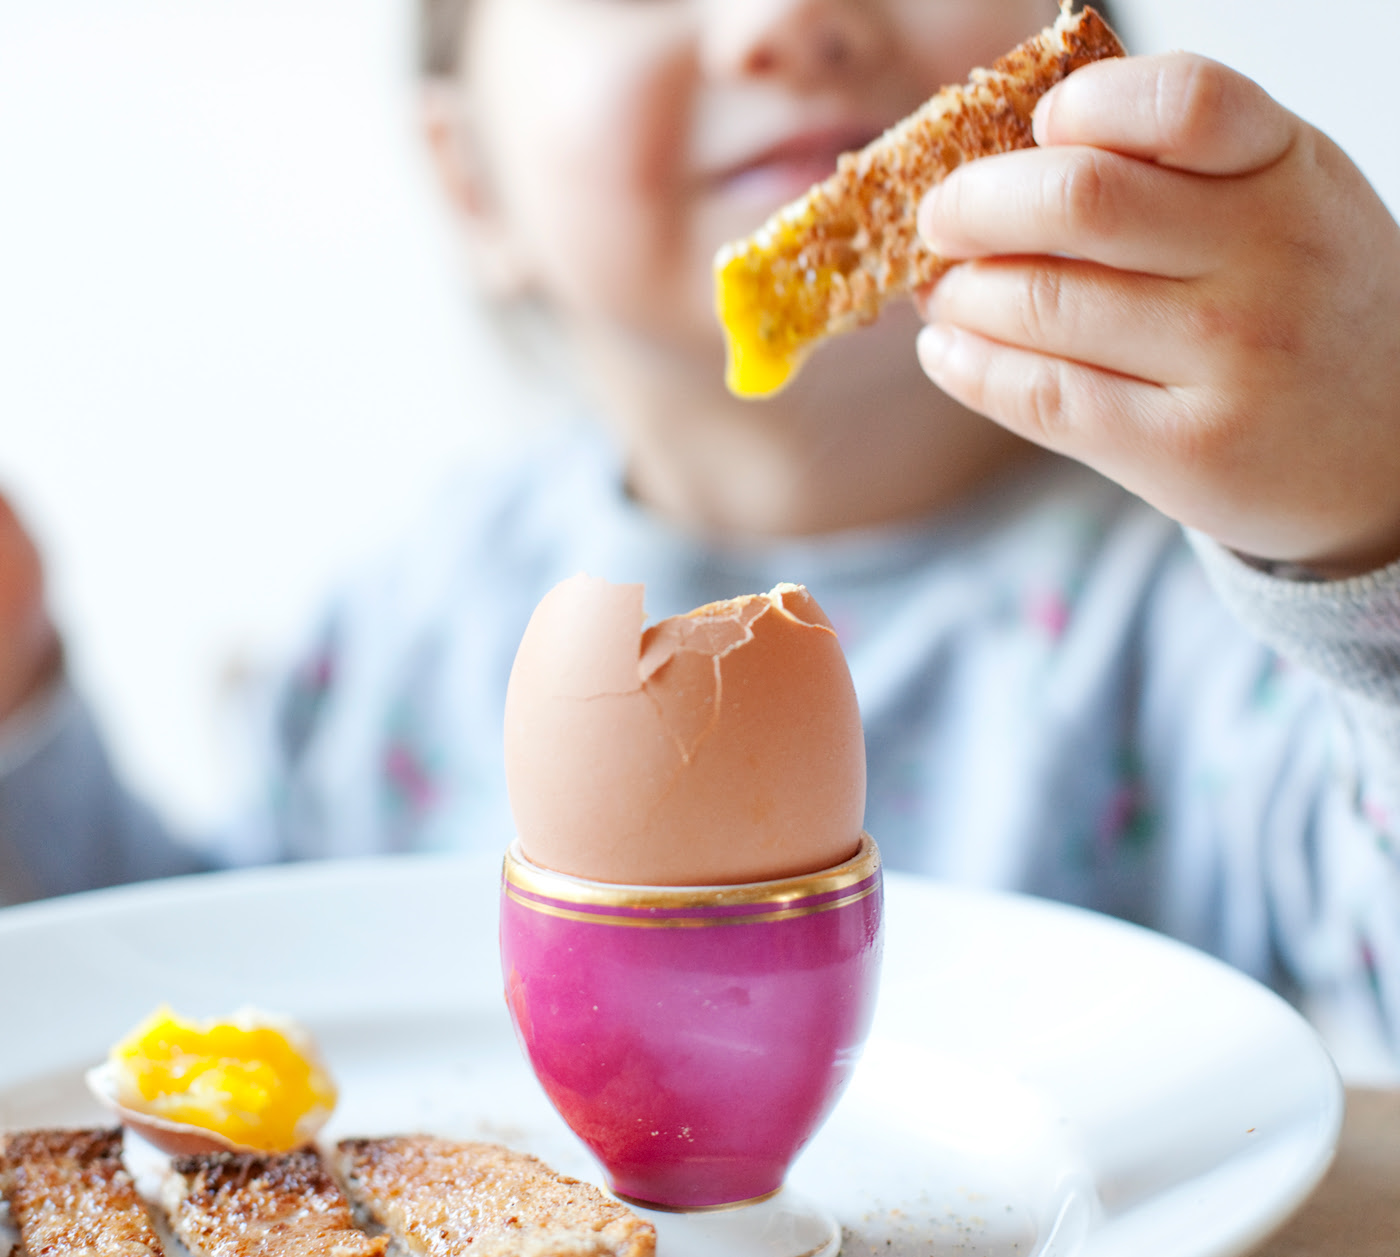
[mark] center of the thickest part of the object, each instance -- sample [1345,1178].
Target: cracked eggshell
[717,747]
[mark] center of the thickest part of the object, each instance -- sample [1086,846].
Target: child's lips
[779,181]
[787,169]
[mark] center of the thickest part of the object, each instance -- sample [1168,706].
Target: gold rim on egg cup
[694,1209]
[576,898]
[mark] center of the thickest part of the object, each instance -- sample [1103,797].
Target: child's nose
[802,41]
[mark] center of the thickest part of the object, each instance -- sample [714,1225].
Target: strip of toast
[827,262]
[438,1198]
[70,1196]
[229,1204]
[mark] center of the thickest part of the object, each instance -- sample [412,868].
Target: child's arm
[66,822]
[1194,292]
[1198,294]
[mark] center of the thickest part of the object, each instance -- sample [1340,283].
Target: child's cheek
[597,152]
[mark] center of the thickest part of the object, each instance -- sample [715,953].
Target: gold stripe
[688,923]
[533,879]
[655,1208]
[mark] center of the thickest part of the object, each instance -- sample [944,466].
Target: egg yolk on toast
[774,305]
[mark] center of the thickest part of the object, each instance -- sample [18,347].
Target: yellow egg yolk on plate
[250,1079]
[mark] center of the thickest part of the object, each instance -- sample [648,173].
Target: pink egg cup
[695,1037]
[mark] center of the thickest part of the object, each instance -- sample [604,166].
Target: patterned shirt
[1062,695]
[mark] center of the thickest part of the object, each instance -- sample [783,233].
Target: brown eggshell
[718,747]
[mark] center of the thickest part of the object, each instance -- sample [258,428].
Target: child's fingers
[29,650]
[1079,201]
[1137,325]
[1178,110]
[1085,412]
[21,579]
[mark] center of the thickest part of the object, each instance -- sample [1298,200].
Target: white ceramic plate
[1039,1081]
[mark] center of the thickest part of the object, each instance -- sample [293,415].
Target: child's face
[618,143]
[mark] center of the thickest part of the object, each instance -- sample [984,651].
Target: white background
[234,350]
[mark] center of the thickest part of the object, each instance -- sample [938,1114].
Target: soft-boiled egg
[252,1083]
[713,748]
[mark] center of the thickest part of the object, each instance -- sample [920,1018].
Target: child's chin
[869,361]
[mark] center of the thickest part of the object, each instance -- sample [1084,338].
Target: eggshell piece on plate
[717,747]
[177,1139]
[254,1082]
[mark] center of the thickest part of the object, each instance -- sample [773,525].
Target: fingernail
[1040,118]
[923,219]
[945,288]
[935,344]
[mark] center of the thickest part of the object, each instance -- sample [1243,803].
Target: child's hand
[30,656]
[1193,291]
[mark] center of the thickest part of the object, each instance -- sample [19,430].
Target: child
[1186,289]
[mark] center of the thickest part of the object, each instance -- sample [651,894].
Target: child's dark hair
[440,34]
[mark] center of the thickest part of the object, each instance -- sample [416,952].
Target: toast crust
[440,1198]
[69,1195]
[827,262]
[230,1204]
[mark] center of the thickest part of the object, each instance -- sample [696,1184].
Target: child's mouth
[787,169]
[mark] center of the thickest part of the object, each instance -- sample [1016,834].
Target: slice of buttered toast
[440,1198]
[70,1196]
[233,1204]
[829,260]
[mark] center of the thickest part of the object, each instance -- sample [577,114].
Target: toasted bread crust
[228,1204]
[439,1198]
[69,1194]
[828,261]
